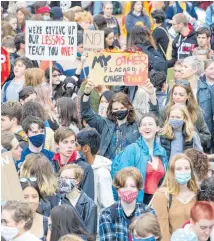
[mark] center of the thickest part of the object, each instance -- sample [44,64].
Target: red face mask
[127,196]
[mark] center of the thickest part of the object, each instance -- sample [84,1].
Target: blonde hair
[145,224]
[70,237]
[83,17]
[188,125]
[70,15]
[34,77]
[38,165]
[170,182]
[43,92]
[78,171]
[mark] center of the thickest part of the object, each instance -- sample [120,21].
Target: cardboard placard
[118,68]
[93,40]
[51,40]
[10,184]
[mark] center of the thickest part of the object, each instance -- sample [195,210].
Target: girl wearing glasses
[70,177]
[174,200]
[32,196]
[181,93]
[178,132]
[38,165]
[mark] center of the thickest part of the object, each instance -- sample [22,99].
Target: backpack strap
[113,211]
[5,89]
[169,200]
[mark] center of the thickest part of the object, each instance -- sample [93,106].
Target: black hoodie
[182,46]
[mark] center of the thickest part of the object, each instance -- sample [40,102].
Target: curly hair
[124,100]
[206,190]
[200,163]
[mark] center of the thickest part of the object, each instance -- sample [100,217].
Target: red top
[72,158]
[153,177]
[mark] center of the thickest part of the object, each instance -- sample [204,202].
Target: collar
[57,158]
[120,212]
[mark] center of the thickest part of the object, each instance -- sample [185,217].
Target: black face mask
[121,114]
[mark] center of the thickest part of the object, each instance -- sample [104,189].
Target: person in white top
[88,142]
[16,221]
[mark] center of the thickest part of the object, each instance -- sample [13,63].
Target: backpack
[117,7]
[155,58]
[6,85]
[212,29]
[168,53]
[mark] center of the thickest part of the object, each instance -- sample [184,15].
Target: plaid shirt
[118,230]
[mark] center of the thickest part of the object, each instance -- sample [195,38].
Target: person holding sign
[119,129]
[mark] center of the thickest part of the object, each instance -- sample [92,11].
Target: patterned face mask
[66,185]
[127,196]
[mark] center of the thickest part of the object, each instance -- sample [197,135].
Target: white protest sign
[51,40]
[93,40]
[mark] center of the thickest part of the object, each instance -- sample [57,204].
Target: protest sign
[93,40]
[10,185]
[118,68]
[51,40]
[5,65]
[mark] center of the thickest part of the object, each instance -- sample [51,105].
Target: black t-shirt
[161,38]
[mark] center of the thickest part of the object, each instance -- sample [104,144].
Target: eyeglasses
[55,75]
[31,179]
[182,82]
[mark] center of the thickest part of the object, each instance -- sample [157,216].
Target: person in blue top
[136,16]
[210,15]
[180,7]
[34,128]
[147,156]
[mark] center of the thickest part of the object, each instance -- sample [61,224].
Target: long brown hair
[192,105]
[141,35]
[124,100]
[170,182]
[27,14]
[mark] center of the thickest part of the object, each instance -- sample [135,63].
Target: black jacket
[166,144]
[87,184]
[182,46]
[87,210]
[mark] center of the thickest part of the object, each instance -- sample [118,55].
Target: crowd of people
[111,163]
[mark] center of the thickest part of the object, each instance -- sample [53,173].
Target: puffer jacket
[200,125]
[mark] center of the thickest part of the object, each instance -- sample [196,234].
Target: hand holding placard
[148,87]
[89,87]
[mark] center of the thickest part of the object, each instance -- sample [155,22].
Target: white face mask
[46,17]
[9,233]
